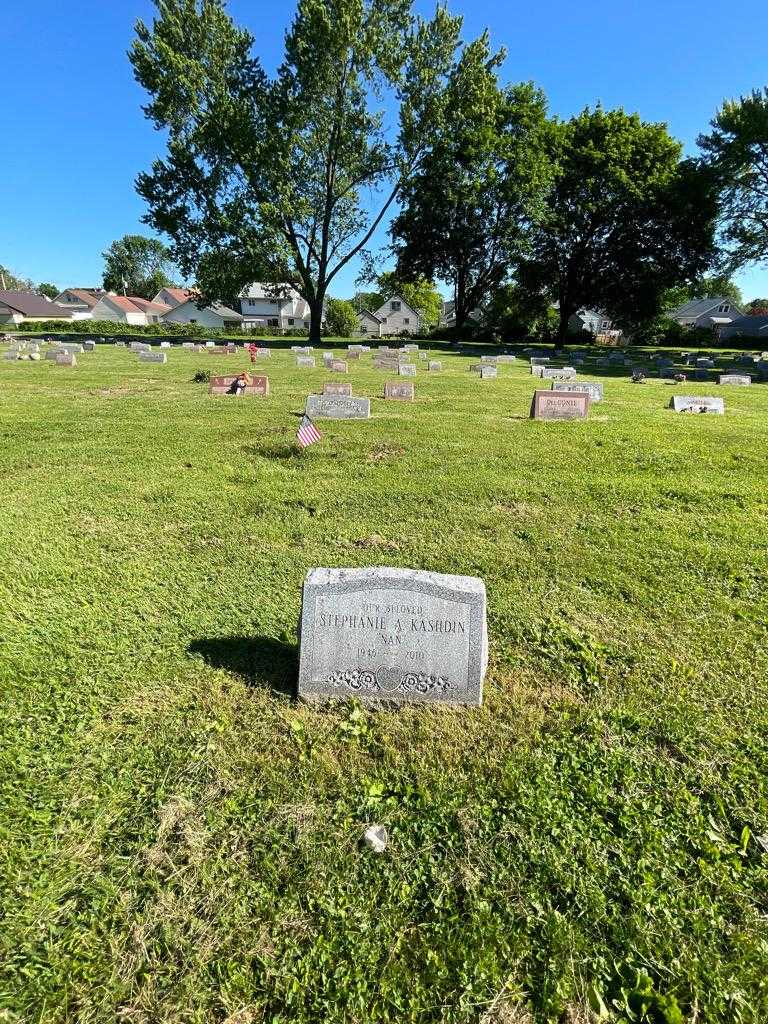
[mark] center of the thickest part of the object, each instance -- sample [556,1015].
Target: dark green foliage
[341,318]
[201,377]
[135,265]
[737,151]
[625,219]
[464,214]
[49,290]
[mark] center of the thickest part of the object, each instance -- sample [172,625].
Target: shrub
[340,318]
[201,377]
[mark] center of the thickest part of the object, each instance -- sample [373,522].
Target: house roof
[33,305]
[384,309]
[269,291]
[150,307]
[368,313]
[89,296]
[759,323]
[699,307]
[122,302]
[179,295]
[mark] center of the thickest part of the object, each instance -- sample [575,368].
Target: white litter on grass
[375,838]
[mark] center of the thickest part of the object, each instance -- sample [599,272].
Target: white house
[128,310]
[79,301]
[707,313]
[273,305]
[369,325]
[395,316]
[22,307]
[173,296]
[216,316]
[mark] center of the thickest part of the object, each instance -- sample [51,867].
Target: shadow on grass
[261,660]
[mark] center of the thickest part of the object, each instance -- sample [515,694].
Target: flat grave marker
[593,388]
[558,373]
[697,404]
[398,635]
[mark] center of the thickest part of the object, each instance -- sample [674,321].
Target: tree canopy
[340,318]
[137,266]
[466,211]
[625,218]
[737,151]
[269,178]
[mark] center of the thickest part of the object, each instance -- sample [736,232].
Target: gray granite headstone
[558,373]
[306,362]
[153,357]
[434,364]
[537,371]
[338,407]
[488,372]
[397,635]
[506,359]
[593,388]
[734,378]
[695,403]
[407,369]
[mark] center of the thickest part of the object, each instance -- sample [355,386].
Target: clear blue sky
[74,136]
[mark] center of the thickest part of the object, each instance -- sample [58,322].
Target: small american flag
[307,433]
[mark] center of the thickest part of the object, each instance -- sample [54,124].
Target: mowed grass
[180,839]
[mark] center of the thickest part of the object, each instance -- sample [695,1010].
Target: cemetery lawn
[180,840]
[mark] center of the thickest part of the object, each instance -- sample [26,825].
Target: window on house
[395,307]
[290,321]
[384,320]
[406,320]
[272,323]
[306,323]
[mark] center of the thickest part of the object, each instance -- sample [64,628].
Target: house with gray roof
[21,307]
[746,327]
[710,314]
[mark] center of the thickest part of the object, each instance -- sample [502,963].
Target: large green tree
[737,150]
[625,218]
[465,214]
[135,265]
[49,290]
[286,179]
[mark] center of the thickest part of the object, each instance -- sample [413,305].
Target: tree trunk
[315,320]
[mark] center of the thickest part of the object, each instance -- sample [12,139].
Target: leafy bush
[201,377]
[340,318]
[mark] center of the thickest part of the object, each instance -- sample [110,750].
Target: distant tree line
[287,177]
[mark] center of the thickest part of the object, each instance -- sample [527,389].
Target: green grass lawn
[180,840]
